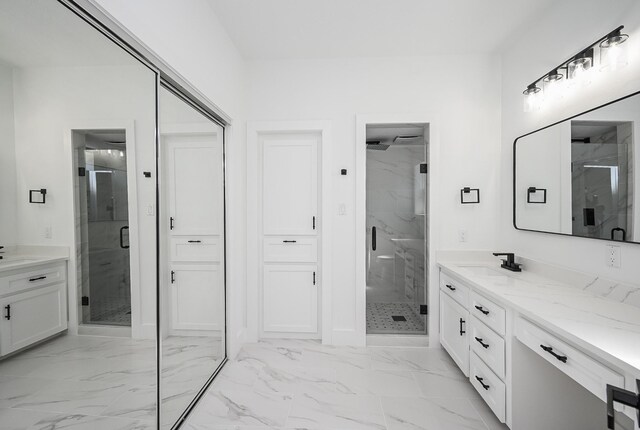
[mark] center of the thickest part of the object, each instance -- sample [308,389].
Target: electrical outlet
[613,256]
[462,235]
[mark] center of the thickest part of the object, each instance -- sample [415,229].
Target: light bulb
[579,70]
[121,154]
[554,85]
[613,55]
[532,98]
[109,151]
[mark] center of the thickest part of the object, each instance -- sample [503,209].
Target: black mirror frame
[513,196]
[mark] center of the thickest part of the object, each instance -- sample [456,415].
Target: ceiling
[307,29]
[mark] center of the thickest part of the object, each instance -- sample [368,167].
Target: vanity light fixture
[577,70]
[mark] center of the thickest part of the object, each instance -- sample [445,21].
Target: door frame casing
[254,263]
[138,330]
[433,199]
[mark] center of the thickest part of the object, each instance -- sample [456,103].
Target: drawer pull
[289,241]
[450,287]
[485,386]
[194,241]
[462,330]
[548,349]
[7,316]
[481,309]
[484,345]
[39,278]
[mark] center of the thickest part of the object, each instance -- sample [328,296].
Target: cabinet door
[195,183]
[32,316]
[290,183]
[197,297]
[453,331]
[290,297]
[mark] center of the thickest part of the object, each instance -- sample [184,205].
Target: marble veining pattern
[301,384]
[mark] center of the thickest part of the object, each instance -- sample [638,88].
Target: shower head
[376,145]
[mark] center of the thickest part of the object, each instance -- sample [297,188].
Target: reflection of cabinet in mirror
[587,166]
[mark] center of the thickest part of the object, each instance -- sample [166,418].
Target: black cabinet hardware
[289,241]
[452,288]
[550,351]
[7,316]
[39,278]
[481,309]
[122,229]
[314,278]
[314,223]
[620,395]
[173,276]
[480,380]
[484,345]
[194,241]
[462,329]
[374,238]
[171,223]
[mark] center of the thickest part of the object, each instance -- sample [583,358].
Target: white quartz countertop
[606,329]
[14,262]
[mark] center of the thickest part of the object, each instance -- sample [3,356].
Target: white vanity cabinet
[33,301]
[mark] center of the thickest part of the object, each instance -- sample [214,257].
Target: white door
[196,297]
[32,316]
[195,184]
[453,331]
[290,184]
[290,297]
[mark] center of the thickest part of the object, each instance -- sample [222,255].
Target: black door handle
[39,278]
[620,395]
[450,287]
[122,229]
[480,380]
[173,276]
[548,349]
[484,345]
[7,316]
[194,241]
[462,330]
[171,223]
[373,238]
[481,309]
[314,278]
[289,241]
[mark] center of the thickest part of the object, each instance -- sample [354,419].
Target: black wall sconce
[469,195]
[536,195]
[576,70]
[38,196]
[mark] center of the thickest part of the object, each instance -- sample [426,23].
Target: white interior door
[195,184]
[290,184]
[290,298]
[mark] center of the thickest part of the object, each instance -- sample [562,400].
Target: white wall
[189,37]
[461,92]
[50,101]
[8,197]
[547,43]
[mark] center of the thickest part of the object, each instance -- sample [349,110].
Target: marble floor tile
[85,398]
[295,380]
[135,403]
[489,418]
[348,358]
[431,414]
[13,389]
[236,375]
[82,422]
[411,359]
[377,382]
[260,355]
[446,384]
[241,407]
[336,411]
[20,419]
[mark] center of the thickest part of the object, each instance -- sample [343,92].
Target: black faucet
[509,263]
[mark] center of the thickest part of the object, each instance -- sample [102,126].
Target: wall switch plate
[462,235]
[613,256]
[150,210]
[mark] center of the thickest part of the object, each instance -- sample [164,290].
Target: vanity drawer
[490,387]
[291,249]
[488,346]
[33,277]
[196,248]
[591,374]
[488,312]
[457,290]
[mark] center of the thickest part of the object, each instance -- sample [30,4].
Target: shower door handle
[373,238]
[122,229]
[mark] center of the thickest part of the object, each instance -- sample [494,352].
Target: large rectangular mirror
[578,177]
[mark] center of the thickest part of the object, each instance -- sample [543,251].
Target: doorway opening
[102,227]
[396,229]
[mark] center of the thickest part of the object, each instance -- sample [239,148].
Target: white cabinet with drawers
[33,301]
